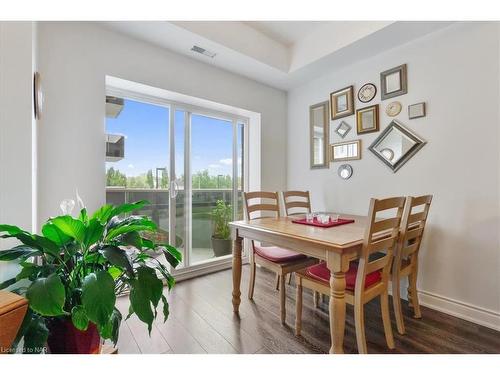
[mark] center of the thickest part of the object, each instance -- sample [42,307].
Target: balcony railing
[203,201]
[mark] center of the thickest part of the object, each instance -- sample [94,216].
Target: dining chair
[405,262]
[298,203]
[366,278]
[279,260]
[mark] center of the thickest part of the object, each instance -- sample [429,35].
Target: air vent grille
[203,51]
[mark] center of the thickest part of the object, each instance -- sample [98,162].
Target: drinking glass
[335,218]
[309,217]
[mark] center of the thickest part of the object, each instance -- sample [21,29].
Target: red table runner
[316,223]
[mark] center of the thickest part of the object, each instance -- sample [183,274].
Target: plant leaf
[83,217]
[18,252]
[35,337]
[93,232]
[128,207]
[165,308]
[49,246]
[8,283]
[145,290]
[98,296]
[115,272]
[111,329]
[118,257]
[79,318]
[28,270]
[46,296]
[132,239]
[11,229]
[130,228]
[53,233]
[70,226]
[172,255]
[103,214]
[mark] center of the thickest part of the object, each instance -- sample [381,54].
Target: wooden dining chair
[276,259]
[405,263]
[296,202]
[365,279]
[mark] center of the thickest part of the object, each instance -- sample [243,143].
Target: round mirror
[345,171]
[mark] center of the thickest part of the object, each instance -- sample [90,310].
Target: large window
[183,160]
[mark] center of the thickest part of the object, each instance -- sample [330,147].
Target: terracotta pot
[64,338]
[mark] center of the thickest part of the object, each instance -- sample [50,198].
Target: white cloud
[227,161]
[131,166]
[214,166]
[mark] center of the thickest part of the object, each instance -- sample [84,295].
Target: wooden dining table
[336,245]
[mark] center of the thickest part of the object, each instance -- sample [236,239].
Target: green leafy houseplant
[221,238]
[83,266]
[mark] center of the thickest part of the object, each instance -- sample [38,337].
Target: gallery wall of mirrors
[396,143]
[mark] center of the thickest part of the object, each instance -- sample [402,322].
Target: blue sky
[145,127]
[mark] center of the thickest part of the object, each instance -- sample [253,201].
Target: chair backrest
[381,234]
[263,201]
[296,202]
[412,230]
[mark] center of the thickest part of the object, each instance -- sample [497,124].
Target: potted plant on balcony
[221,237]
[81,268]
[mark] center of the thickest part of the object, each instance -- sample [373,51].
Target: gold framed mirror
[318,135]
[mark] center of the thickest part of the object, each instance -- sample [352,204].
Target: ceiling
[286,32]
[282,54]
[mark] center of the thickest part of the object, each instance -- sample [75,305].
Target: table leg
[338,265]
[237,250]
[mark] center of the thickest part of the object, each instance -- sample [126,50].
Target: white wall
[456,72]
[74,59]
[17,129]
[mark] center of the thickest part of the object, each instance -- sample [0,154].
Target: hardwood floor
[201,321]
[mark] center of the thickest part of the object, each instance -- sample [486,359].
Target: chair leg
[282,298]
[386,318]
[298,307]
[277,282]
[316,299]
[412,279]
[251,285]
[359,322]
[290,278]
[396,302]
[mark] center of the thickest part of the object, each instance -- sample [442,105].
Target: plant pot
[221,247]
[64,338]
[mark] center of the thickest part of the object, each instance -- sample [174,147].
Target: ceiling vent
[203,51]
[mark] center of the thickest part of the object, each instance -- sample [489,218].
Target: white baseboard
[471,313]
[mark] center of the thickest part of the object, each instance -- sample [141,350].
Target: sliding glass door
[186,162]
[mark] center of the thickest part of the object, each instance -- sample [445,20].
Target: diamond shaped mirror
[396,145]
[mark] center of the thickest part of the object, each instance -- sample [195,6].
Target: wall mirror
[319,133]
[367,119]
[350,150]
[343,129]
[345,171]
[396,145]
[394,82]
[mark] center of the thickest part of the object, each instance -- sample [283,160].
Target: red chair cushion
[278,254]
[322,273]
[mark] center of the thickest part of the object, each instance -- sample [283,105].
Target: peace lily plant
[81,265]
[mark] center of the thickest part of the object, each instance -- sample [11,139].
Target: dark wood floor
[201,321]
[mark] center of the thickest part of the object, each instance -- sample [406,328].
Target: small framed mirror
[367,119]
[345,171]
[319,133]
[343,129]
[350,150]
[394,82]
[396,145]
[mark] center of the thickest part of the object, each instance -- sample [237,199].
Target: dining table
[337,246]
